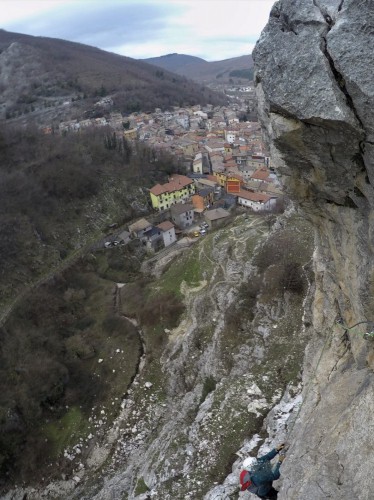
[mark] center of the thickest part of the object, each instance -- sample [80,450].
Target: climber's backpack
[261,470]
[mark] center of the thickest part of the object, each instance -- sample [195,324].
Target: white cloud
[18,10]
[212,18]
[211,29]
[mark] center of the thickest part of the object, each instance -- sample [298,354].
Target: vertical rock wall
[314,75]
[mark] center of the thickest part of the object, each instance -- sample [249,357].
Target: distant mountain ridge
[202,71]
[40,74]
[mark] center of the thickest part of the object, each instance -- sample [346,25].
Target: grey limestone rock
[314,64]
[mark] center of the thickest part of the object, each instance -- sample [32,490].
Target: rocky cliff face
[314,65]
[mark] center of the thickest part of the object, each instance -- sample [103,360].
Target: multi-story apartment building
[179,189]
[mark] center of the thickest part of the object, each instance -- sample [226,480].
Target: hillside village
[223,157]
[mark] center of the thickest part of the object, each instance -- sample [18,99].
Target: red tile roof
[256,197]
[261,174]
[158,189]
[181,179]
[165,226]
[176,183]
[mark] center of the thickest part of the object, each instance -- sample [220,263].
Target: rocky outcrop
[314,63]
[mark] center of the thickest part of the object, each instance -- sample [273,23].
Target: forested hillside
[39,75]
[58,192]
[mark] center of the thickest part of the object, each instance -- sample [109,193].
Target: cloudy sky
[211,29]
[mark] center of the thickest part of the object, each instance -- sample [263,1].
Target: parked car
[196,234]
[202,232]
[108,244]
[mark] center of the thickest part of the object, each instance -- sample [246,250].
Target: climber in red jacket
[258,477]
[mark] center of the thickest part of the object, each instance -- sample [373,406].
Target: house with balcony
[179,189]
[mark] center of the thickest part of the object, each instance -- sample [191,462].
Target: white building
[256,201]
[201,114]
[197,164]
[183,120]
[229,137]
[168,232]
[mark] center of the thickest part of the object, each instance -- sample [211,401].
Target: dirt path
[117,305]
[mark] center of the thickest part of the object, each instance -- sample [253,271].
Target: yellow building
[179,189]
[131,134]
[226,179]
